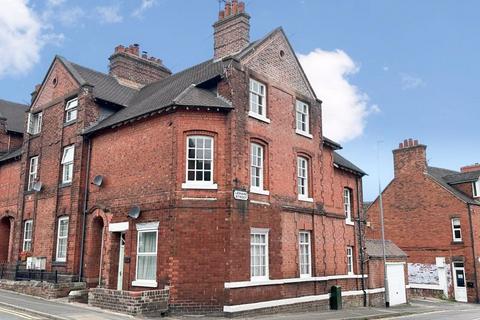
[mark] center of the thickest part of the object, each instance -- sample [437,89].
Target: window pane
[147,242]
[147,268]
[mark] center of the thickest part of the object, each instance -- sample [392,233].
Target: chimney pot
[221,15]
[405,143]
[415,142]
[228,8]
[234,7]
[241,7]
[400,145]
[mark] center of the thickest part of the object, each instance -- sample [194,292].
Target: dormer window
[71,110]
[476,188]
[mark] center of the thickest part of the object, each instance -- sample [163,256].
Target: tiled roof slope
[346,164]
[374,249]
[441,175]
[105,87]
[462,177]
[15,115]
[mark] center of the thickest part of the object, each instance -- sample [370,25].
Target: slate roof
[441,175]
[332,144]
[11,155]
[169,91]
[15,115]
[374,249]
[462,177]
[346,164]
[105,87]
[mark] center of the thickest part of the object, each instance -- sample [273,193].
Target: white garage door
[396,283]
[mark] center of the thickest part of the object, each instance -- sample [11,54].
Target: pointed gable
[58,82]
[274,57]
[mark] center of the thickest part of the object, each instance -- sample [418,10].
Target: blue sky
[403,69]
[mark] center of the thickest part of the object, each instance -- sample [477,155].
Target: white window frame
[67,165]
[71,110]
[34,123]
[254,97]
[193,184]
[265,233]
[149,227]
[350,260]
[347,205]
[476,188]
[32,172]
[456,227]
[257,154]
[60,237]
[302,109]
[308,245]
[27,236]
[305,178]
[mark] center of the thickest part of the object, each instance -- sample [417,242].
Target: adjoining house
[213,187]
[433,215]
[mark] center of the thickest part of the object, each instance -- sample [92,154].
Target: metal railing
[18,273]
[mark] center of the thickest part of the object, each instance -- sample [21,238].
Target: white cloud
[386,68]
[345,107]
[410,81]
[109,14]
[54,3]
[71,17]
[145,5]
[20,37]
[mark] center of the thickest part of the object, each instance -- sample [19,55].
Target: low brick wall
[42,289]
[153,302]
[432,293]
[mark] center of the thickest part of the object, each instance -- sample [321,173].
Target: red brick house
[433,215]
[215,182]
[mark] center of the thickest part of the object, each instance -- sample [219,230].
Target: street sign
[240,195]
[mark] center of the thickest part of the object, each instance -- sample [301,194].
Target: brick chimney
[470,168]
[134,69]
[410,158]
[232,30]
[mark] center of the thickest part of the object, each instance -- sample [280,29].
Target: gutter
[85,204]
[360,226]
[472,238]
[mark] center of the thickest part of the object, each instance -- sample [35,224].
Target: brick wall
[41,289]
[151,303]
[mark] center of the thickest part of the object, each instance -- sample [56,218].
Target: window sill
[457,242]
[200,186]
[303,133]
[259,279]
[145,283]
[59,263]
[258,117]
[305,276]
[349,222]
[305,199]
[65,185]
[260,191]
[69,123]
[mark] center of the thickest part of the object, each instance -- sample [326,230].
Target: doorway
[5,226]
[459,282]
[121,258]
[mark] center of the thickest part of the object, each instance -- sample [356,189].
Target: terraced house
[433,215]
[214,182]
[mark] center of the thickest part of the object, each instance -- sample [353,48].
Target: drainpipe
[472,238]
[360,225]
[84,209]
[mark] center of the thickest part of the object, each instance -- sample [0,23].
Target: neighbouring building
[433,214]
[214,183]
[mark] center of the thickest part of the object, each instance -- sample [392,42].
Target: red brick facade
[418,213]
[203,247]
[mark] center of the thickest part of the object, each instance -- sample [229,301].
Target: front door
[121,259]
[396,283]
[459,282]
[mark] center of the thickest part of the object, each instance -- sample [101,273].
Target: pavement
[14,306]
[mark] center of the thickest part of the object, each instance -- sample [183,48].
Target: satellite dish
[37,186]
[134,212]
[98,180]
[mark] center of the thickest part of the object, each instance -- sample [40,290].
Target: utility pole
[380,203]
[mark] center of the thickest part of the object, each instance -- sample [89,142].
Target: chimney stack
[232,30]
[410,158]
[471,168]
[134,69]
